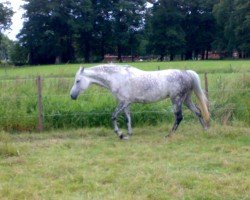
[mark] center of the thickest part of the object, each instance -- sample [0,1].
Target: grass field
[70,160]
[94,164]
[69,70]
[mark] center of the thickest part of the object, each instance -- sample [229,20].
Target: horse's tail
[203,102]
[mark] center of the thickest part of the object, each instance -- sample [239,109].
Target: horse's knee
[113,117]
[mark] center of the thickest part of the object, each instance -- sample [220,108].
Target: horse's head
[80,84]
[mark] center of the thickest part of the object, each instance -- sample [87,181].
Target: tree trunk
[188,55]
[58,60]
[29,58]
[182,56]
[132,55]
[202,55]
[196,53]
[171,56]
[240,54]
[161,57]
[206,54]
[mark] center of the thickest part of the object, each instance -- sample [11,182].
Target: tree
[118,25]
[5,46]
[242,28]
[83,21]
[126,19]
[233,22]
[5,16]
[225,37]
[5,22]
[103,35]
[166,36]
[199,27]
[18,54]
[47,31]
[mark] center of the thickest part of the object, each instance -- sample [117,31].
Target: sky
[17,21]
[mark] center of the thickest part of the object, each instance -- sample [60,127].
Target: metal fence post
[39,104]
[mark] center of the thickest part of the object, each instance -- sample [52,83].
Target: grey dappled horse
[131,85]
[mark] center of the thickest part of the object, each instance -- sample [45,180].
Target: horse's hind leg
[119,109]
[128,120]
[188,102]
[177,104]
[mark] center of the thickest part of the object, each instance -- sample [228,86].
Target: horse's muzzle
[74,97]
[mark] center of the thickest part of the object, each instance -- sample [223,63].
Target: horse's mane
[110,68]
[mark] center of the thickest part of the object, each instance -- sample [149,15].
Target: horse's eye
[78,81]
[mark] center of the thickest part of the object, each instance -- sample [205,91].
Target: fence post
[39,104]
[159,67]
[206,84]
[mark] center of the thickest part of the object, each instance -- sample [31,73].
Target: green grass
[95,164]
[228,66]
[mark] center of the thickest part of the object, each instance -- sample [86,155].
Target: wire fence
[40,97]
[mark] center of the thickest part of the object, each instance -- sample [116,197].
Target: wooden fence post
[39,104]
[206,84]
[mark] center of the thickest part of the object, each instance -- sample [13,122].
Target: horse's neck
[100,79]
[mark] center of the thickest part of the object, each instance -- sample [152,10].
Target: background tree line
[61,31]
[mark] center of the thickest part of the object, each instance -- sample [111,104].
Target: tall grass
[7,149]
[228,94]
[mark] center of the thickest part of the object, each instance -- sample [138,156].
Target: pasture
[93,164]
[79,156]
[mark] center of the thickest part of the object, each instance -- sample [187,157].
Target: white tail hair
[202,99]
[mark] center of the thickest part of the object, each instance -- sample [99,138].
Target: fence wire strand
[165,111]
[45,96]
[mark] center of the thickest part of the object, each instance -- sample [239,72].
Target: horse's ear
[81,69]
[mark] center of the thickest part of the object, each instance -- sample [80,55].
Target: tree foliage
[233,20]
[5,16]
[6,13]
[166,33]
[47,31]
[57,31]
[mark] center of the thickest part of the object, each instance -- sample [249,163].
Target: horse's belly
[149,97]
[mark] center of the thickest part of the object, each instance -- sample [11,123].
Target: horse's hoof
[122,137]
[168,136]
[206,128]
[126,138]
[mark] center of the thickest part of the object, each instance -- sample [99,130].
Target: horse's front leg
[120,108]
